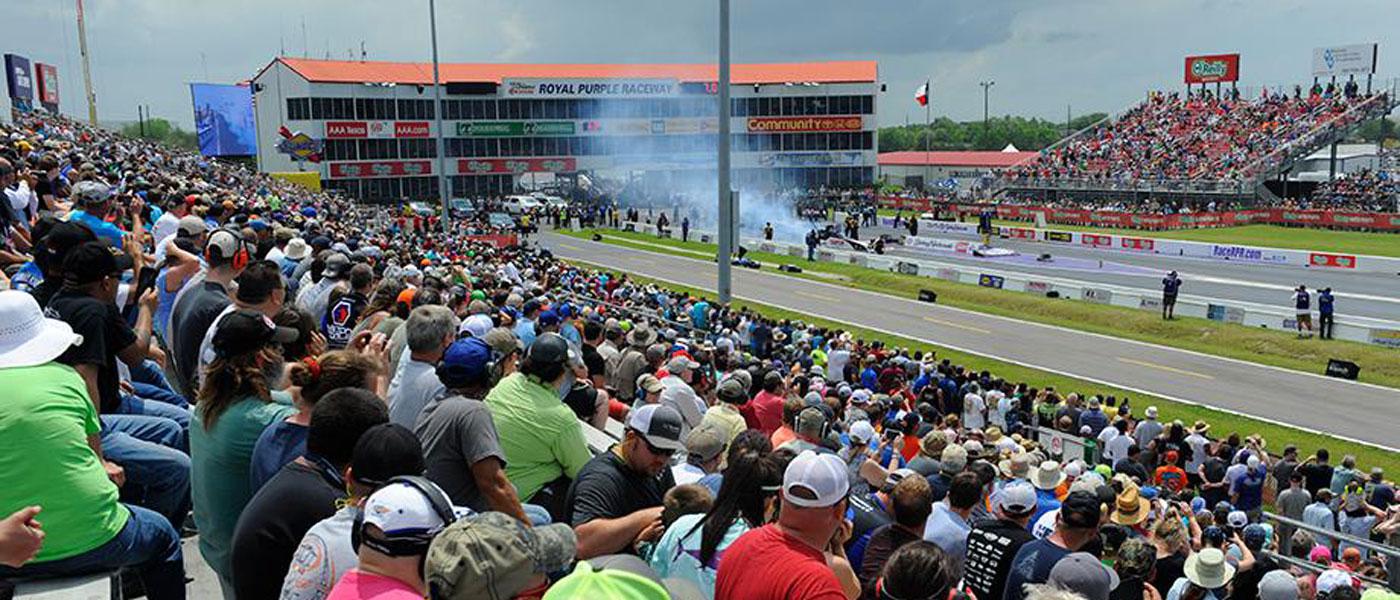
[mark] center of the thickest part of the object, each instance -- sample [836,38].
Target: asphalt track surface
[1371,295]
[1344,409]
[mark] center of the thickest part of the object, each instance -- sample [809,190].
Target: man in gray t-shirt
[430,330]
[461,450]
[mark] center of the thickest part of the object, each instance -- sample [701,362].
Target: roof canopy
[345,71]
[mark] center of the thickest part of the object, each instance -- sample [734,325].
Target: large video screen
[223,118]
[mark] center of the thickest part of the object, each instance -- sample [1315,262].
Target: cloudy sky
[1090,55]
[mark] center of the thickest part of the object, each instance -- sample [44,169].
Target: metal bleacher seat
[97,586]
[600,439]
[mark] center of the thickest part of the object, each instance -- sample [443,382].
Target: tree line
[995,134]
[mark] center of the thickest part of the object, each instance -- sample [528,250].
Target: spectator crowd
[1197,136]
[344,403]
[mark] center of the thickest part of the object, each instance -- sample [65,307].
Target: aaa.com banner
[1212,68]
[484,166]
[381,168]
[339,130]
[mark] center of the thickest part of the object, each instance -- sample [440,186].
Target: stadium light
[437,119]
[726,196]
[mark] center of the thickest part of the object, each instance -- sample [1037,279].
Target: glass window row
[299,109]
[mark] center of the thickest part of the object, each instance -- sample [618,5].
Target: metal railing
[1198,186]
[1392,554]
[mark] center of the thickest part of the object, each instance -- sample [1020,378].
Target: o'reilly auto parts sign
[1212,68]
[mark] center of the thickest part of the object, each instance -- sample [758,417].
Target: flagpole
[928,125]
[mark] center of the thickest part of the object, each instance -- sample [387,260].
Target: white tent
[1010,148]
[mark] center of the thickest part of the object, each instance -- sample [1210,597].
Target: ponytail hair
[318,376]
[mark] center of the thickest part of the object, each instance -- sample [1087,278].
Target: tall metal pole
[726,196]
[986,121]
[928,132]
[443,193]
[87,69]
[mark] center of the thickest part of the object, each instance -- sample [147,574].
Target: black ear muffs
[407,544]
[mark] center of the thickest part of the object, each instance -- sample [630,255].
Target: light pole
[726,197]
[986,123]
[443,193]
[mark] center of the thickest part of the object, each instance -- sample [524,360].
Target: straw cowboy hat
[1130,508]
[1047,476]
[1208,569]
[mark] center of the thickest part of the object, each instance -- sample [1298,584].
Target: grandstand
[1195,148]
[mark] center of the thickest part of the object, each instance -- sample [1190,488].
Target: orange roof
[980,158]
[344,71]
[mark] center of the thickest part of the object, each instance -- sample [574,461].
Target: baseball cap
[862,432]
[62,237]
[245,331]
[477,325]
[548,318]
[401,509]
[953,459]
[660,425]
[190,226]
[810,420]
[1017,498]
[1083,574]
[385,451]
[1081,510]
[502,340]
[729,389]
[92,261]
[1278,584]
[896,476]
[705,442]
[651,384]
[549,348]
[860,396]
[464,362]
[815,480]
[1237,519]
[493,556]
[680,363]
[1332,579]
[605,584]
[91,192]
[337,265]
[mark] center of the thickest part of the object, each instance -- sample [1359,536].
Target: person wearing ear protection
[460,446]
[811,428]
[201,302]
[392,539]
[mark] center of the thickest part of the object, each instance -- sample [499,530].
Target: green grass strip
[1222,422]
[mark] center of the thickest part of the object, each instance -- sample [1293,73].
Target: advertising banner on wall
[381,168]
[790,124]
[484,166]
[589,88]
[809,159]
[514,128]
[342,130]
[1352,59]
[1212,68]
[19,82]
[47,76]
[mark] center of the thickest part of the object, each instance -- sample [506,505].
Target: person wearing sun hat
[1130,509]
[1046,477]
[491,556]
[59,477]
[1206,570]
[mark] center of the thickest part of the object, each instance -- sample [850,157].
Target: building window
[340,150]
[298,109]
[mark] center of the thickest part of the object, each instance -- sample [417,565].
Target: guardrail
[1392,554]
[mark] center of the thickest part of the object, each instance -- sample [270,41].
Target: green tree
[161,130]
[1377,130]
[995,134]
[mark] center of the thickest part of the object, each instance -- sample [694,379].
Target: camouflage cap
[1136,557]
[491,555]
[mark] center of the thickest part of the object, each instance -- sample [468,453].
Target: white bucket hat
[27,338]
[1208,569]
[1047,476]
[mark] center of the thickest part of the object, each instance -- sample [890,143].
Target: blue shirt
[27,278]
[869,379]
[525,330]
[948,530]
[281,443]
[105,231]
[1170,286]
[1045,501]
[1324,303]
[698,315]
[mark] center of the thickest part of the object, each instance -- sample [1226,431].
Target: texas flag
[921,94]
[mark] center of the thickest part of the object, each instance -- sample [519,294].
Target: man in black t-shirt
[992,543]
[306,490]
[200,303]
[597,365]
[1317,472]
[616,499]
[342,316]
[149,449]
[911,501]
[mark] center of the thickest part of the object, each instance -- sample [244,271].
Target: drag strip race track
[1356,411]
[1372,295]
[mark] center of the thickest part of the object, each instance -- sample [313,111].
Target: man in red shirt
[767,406]
[787,559]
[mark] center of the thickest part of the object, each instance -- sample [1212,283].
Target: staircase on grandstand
[1226,172]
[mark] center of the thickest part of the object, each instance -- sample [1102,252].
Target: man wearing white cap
[992,543]
[813,510]
[1148,429]
[400,521]
[616,499]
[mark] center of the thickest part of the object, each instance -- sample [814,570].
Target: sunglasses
[653,449]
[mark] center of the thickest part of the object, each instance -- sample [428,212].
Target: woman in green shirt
[235,405]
